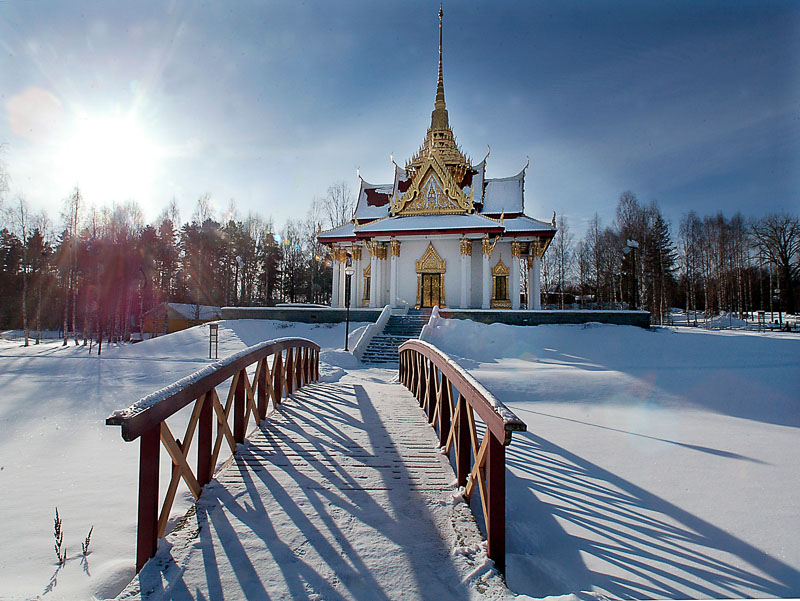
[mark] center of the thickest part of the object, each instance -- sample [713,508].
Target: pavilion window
[500,275]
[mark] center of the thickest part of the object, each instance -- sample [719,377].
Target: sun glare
[112,158]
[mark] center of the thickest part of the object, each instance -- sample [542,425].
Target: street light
[348,272]
[240,267]
[630,247]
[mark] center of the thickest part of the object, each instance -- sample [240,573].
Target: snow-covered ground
[657,464]
[55,449]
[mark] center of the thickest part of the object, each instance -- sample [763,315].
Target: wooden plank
[478,476]
[451,436]
[434,394]
[252,407]
[268,390]
[418,377]
[288,377]
[223,429]
[178,458]
[169,499]
[436,399]
[254,390]
[301,368]
[473,433]
[262,384]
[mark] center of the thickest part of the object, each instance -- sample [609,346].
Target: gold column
[466,247]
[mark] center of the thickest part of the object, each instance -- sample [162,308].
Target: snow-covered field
[55,449]
[657,464]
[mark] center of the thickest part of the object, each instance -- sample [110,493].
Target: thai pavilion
[441,233]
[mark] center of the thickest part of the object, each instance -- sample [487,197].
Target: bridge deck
[341,494]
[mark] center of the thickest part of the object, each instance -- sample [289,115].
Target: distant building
[166,318]
[441,233]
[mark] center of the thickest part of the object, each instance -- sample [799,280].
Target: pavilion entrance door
[431,290]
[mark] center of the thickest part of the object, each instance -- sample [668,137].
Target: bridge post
[277,377]
[496,503]
[204,434]
[421,380]
[147,529]
[261,395]
[462,442]
[289,372]
[239,409]
[431,392]
[444,411]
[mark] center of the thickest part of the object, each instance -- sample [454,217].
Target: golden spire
[439,139]
[439,118]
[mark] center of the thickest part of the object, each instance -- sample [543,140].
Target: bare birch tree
[778,237]
[339,204]
[22,224]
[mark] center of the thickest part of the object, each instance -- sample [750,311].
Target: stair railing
[370,332]
[451,397]
[295,362]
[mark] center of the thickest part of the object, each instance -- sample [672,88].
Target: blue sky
[695,105]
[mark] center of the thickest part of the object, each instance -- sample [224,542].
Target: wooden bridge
[339,491]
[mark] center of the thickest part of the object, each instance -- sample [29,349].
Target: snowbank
[657,464]
[57,451]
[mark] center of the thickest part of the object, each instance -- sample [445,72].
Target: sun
[112,157]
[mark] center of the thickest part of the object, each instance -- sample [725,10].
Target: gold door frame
[431,263]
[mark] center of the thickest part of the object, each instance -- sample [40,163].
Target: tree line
[95,272]
[711,264]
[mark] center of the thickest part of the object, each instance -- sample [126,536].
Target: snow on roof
[374,201]
[415,224]
[504,195]
[189,311]
[474,181]
[401,180]
[523,223]
[422,223]
[337,233]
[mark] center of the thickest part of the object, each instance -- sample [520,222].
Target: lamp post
[348,272]
[239,280]
[630,247]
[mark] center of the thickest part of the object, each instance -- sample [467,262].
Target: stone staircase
[383,347]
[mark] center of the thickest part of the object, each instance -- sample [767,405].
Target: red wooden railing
[451,397]
[295,363]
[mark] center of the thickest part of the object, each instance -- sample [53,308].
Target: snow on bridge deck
[341,494]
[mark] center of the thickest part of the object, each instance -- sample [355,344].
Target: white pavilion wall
[448,249]
[476,275]
[411,251]
[501,250]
